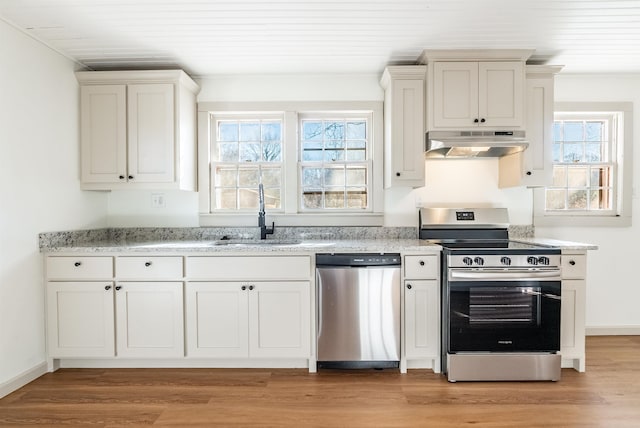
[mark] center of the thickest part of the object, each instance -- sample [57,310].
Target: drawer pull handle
[147,264]
[251,287]
[409,286]
[244,287]
[421,262]
[118,287]
[107,287]
[76,264]
[572,262]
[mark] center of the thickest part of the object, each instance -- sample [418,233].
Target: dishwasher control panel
[391,259]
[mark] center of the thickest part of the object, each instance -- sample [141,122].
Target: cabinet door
[151,121]
[407,133]
[501,94]
[80,319]
[572,324]
[537,168]
[279,319]
[217,319]
[422,319]
[149,319]
[455,95]
[103,133]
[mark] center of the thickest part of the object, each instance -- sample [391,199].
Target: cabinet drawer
[574,266]
[421,267]
[249,267]
[149,267]
[80,267]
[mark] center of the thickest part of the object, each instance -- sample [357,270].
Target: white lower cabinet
[80,319]
[572,317]
[149,319]
[250,320]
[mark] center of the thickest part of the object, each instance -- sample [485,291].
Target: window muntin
[335,163]
[584,166]
[247,151]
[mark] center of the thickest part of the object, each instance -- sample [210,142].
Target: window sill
[324,219]
[581,221]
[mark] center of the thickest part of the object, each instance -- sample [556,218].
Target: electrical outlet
[158,200]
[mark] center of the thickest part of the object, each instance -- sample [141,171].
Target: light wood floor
[607,395]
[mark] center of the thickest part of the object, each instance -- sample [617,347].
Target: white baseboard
[94,363]
[621,330]
[22,379]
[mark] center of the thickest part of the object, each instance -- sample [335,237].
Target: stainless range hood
[473,144]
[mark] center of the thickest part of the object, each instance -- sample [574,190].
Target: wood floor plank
[607,395]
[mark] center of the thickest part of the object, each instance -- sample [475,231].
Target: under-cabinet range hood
[473,144]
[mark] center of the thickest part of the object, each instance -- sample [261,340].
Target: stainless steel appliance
[500,299]
[358,297]
[471,144]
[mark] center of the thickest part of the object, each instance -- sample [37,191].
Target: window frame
[291,213]
[621,162]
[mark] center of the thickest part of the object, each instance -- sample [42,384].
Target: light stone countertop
[563,245]
[252,246]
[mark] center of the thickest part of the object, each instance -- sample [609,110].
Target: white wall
[39,189]
[613,288]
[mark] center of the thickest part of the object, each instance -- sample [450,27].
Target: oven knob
[543,260]
[479,261]
[532,260]
[505,261]
[467,261]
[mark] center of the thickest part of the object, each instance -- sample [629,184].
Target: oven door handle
[504,274]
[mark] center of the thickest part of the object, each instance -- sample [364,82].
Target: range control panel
[505,261]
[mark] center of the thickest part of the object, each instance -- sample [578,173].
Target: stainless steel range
[500,298]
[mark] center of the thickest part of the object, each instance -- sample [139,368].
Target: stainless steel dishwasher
[358,297]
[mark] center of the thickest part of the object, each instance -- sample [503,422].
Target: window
[319,163]
[590,181]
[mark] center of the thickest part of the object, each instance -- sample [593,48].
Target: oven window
[503,306]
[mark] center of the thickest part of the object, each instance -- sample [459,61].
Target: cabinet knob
[244,287]
[76,264]
[421,262]
[409,286]
[130,177]
[251,287]
[107,287]
[475,120]
[121,177]
[572,262]
[528,172]
[397,174]
[118,287]
[483,120]
[147,264]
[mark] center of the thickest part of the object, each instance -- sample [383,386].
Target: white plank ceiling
[208,37]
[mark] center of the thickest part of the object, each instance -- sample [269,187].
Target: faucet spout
[264,230]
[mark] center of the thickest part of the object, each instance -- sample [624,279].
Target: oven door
[513,310]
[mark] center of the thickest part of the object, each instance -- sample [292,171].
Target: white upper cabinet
[404,132]
[137,130]
[475,89]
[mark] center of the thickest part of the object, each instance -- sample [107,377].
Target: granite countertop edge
[556,243]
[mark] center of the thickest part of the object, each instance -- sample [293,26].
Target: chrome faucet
[264,230]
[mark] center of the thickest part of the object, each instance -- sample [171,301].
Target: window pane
[334,199]
[577,199]
[599,177]
[334,144]
[225,177]
[226,199]
[227,131]
[572,152]
[555,199]
[334,177]
[557,131]
[271,131]
[594,131]
[333,155]
[573,131]
[577,176]
[311,131]
[312,151]
[249,152]
[312,199]
[357,198]
[249,131]
[556,152]
[228,152]
[356,130]
[248,177]
[559,176]
[272,152]
[599,199]
[272,198]
[334,131]
[271,177]
[248,198]
[593,153]
[356,176]
[312,177]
